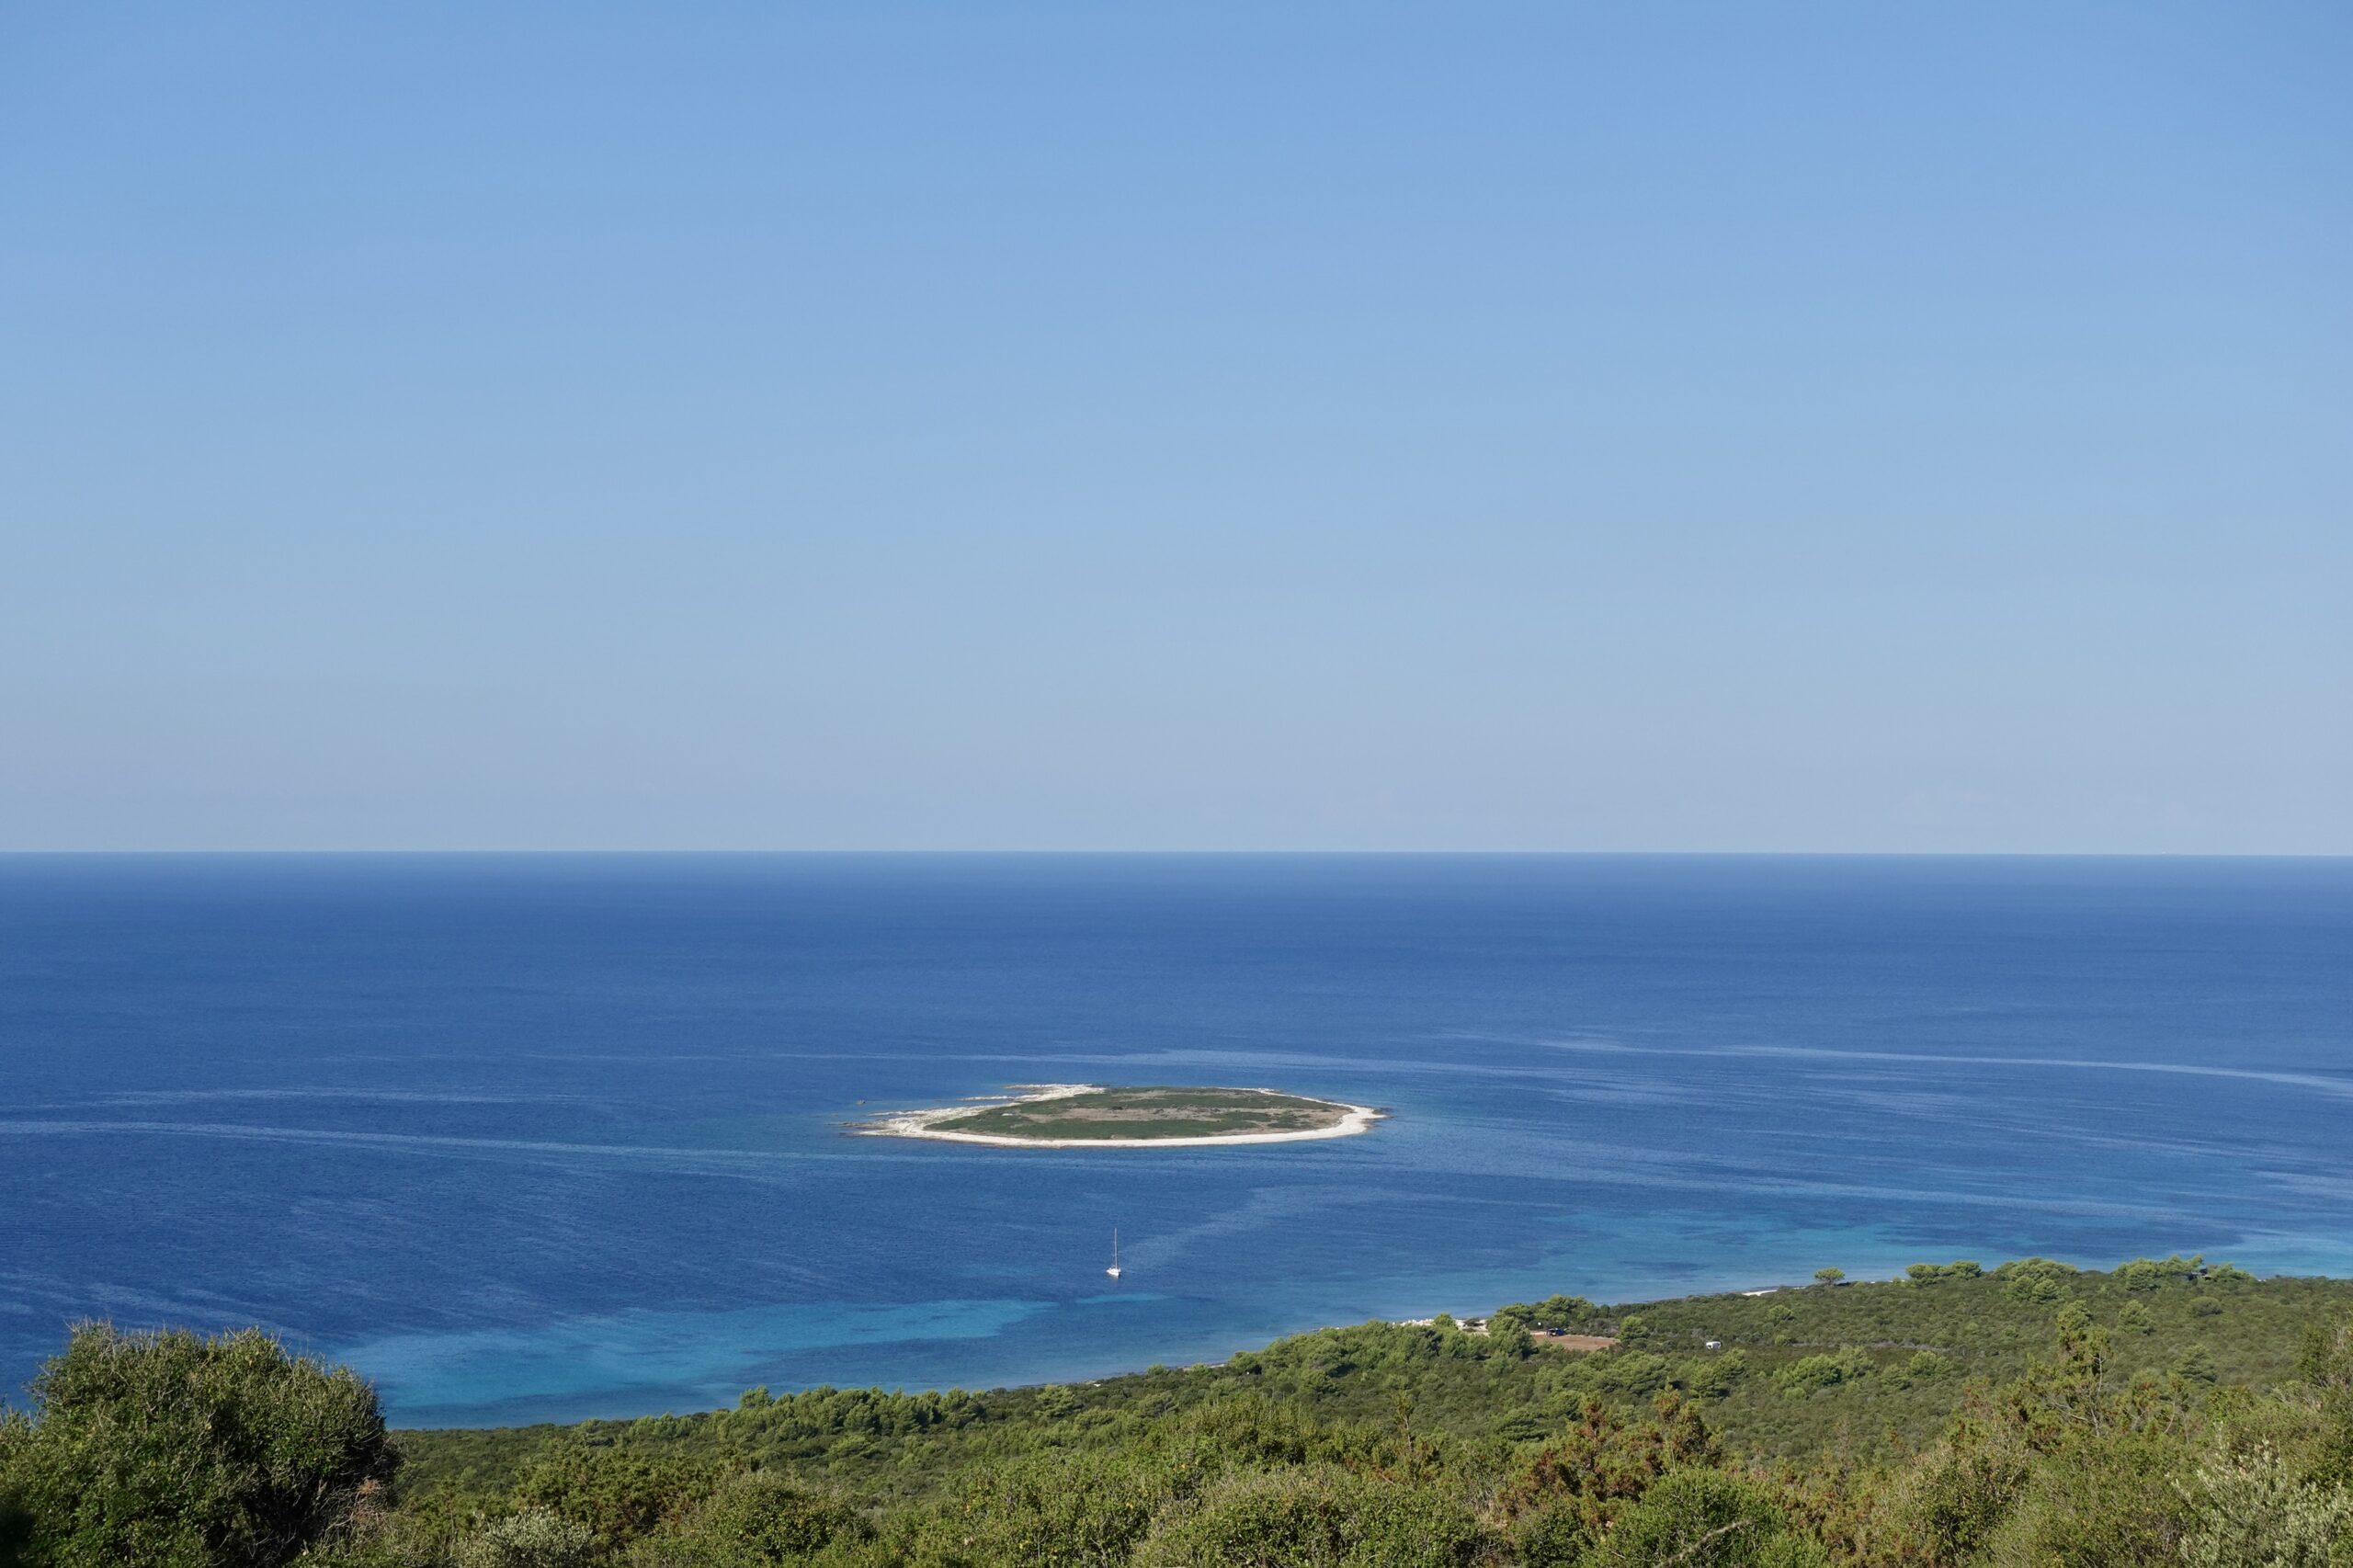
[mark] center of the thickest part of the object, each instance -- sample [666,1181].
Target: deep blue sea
[548,1137]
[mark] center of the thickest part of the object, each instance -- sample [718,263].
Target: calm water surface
[546,1137]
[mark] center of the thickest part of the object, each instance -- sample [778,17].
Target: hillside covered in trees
[2164,1412]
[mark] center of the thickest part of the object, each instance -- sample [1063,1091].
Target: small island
[1090,1116]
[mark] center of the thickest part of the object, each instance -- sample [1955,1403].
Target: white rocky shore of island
[1353,1119]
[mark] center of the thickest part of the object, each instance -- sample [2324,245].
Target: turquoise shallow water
[544,1137]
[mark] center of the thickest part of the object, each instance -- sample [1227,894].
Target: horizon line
[1041,852]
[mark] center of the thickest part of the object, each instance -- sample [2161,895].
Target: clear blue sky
[1688,427]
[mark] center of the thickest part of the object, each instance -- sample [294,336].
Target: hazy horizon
[1114,852]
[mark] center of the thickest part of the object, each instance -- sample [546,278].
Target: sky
[1804,428]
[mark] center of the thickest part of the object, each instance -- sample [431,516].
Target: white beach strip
[1355,1118]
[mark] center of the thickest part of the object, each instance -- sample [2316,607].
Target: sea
[540,1138]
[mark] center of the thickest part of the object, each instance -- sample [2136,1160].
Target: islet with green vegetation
[1152,1112]
[1048,1115]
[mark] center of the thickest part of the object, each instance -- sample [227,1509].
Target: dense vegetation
[1155,1111]
[2029,1415]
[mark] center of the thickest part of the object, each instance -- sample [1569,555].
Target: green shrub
[16,1509]
[1958,1494]
[1555,1314]
[536,1537]
[1699,1518]
[1718,1374]
[2035,1279]
[2153,1273]
[1239,1429]
[1553,1535]
[2103,1500]
[2250,1513]
[1069,1510]
[1298,1518]
[2325,1368]
[177,1451]
[1810,1374]
[1315,1516]
[393,1540]
[619,1494]
[1630,1374]
[1392,1444]
[755,1519]
[1925,1366]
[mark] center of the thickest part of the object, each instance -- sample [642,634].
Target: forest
[2165,1411]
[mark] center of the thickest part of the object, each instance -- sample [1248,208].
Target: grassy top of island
[2033,1413]
[1055,1114]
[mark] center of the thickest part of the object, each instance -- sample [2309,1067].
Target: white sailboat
[1114,1270]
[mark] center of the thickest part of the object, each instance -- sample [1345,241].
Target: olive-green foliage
[1604,1459]
[2247,1511]
[1824,1370]
[2095,1503]
[1717,1375]
[756,1520]
[1490,1387]
[535,1537]
[402,1538]
[1553,1534]
[1950,1503]
[1062,1510]
[15,1516]
[617,1494]
[2032,1415]
[1926,1364]
[1315,1516]
[175,1450]
[1701,1518]
[2035,1279]
[2325,1368]
[2196,1364]
[1555,1315]
[1979,1328]
[2075,1465]
[2155,1274]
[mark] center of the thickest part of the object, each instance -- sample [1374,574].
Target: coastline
[1354,1120]
[1847,1316]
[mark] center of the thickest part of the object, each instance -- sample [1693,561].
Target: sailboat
[1114,1270]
